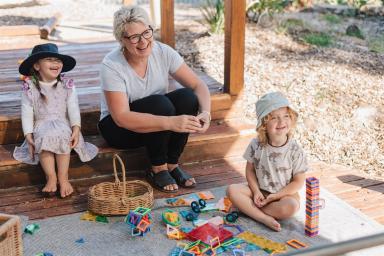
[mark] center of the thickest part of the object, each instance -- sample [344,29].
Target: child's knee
[231,190]
[288,210]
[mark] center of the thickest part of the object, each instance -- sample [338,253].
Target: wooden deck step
[209,174]
[29,201]
[223,139]
[86,76]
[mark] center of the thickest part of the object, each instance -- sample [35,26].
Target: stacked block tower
[312,207]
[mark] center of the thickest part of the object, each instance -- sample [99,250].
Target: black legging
[163,146]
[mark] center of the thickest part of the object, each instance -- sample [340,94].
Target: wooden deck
[213,158]
[362,193]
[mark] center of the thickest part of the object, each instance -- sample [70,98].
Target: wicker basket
[118,198]
[10,235]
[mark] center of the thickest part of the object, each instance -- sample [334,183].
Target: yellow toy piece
[88,216]
[262,242]
[214,243]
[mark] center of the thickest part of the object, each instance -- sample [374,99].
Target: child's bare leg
[285,208]
[62,172]
[47,161]
[241,197]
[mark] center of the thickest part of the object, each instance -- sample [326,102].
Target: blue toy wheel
[195,207]
[202,203]
[189,217]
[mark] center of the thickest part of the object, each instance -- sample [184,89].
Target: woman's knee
[185,101]
[155,104]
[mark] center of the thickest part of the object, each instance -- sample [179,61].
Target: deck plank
[362,193]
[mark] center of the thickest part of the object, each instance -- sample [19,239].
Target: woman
[136,107]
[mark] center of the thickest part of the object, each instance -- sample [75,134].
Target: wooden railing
[234,40]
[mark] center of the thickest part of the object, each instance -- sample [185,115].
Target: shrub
[318,39]
[213,13]
[376,44]
[332,18]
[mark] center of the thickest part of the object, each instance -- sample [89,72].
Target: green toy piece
[171,218]
[102,219]
[31,228]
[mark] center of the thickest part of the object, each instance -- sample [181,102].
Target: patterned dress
[51,129]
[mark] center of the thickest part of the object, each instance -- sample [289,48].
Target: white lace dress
[51,128]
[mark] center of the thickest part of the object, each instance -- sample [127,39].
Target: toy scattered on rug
[186,201]
[89,216]
[80,241]
[170,217]
[189,215]
[312,206]
[139,220]
[31,228]
[176,233]
[232,216]
[296,244]
[262,242]
[224,204]
[44,254]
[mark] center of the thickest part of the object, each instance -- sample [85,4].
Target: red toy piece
[208,231]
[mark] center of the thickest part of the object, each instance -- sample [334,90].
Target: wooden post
[234,46]
[167,30]
[49,26]
[129,2]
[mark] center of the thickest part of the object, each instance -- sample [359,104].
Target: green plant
[332,18]
[213,13]
[376,44]
[353,30]
[290,25]
[270,6]
[357,3]
[318,39]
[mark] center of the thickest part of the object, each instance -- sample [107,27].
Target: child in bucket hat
[50,117]
[276,165]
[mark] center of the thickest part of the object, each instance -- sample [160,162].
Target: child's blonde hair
[262,134]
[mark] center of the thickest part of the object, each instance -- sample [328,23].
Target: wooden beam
[49,26]
[21,30]
[167,30]
[234,46]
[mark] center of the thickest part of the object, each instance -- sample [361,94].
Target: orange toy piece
[296,244]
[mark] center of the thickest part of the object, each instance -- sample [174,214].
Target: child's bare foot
[51,185]
[66,188]
[272,223]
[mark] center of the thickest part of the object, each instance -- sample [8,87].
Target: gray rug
[58,235]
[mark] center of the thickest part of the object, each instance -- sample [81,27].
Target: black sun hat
[43,51]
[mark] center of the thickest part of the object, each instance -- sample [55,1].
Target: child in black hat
[50,117]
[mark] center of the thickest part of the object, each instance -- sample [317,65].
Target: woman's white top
[117,75]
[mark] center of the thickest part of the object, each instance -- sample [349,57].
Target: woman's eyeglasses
[134,39]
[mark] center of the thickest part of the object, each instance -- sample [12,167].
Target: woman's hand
[75,136]
[184,123]
[31,145]
[205,120]
[258,198]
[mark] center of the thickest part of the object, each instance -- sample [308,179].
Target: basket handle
[117,181]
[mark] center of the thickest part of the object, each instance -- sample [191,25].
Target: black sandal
[181,177]
[160,180]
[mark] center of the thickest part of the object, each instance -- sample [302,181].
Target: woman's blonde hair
[126,15]
[262,134]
